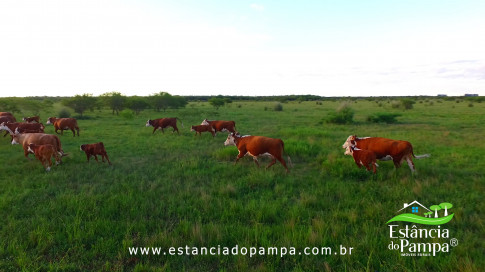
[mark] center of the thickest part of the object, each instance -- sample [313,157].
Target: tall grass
[174,190]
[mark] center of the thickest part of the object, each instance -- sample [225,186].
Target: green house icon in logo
[416,212]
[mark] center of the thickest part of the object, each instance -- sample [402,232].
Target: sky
[212,47]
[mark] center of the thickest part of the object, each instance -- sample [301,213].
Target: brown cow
[364,158]
[44,153]
[256,146]
[384,148]
[162,123]
[7,119]
[32,119]
[203,128]
[94,150]
[220,125]
[5,113]
[39,139]
[21,128]
[64,124]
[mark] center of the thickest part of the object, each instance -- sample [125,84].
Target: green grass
[167,190]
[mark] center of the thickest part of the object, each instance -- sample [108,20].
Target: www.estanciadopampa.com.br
[237,250]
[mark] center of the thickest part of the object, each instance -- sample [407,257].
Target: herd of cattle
[30,134]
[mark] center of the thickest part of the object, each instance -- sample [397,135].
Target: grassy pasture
[167,190]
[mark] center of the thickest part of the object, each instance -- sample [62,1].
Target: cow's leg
[374,164]
[6,132]
[241,154]
[397,161]
[77,129]
[410,163]
[255,159]
[96,157]
[282,161]
[106,155]
[154,129]
[88,156]
[73,132]
[272,162]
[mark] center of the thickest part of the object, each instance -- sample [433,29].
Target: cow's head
[30,148]
[3,126]
[350,141]
[24,119]
[192,128]
[232,138]
[15,137]
[205,122]
[50,120]
[149,123]
[82,147]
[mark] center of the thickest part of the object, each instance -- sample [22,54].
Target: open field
[168,190]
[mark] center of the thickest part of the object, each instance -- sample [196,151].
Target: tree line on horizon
[118,102]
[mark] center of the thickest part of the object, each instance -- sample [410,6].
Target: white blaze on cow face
[30,149]
[230,140]
[48,122]
[14,141]
[148,123]
[205,122]
[347,142]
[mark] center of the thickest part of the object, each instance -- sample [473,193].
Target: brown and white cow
[63,124]
[363,157]
[162,123]
[32,119]
[5,113]
[94,150]
[203,128]
[21,128]
[220,125]
[39,139]
[384,148]
[258,146]
[44,154]
[7,119]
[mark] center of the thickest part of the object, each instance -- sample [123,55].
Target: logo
[425,237]
[428,218]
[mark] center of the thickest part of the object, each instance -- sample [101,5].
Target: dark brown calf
[94,150]
[364,158]
[203,128]
[32,119]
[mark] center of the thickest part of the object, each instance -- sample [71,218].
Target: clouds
[257,7]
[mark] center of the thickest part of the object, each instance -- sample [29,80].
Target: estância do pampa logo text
[419,240]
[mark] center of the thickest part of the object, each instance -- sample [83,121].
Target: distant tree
[217,102]
[114,100]
[165,100]
[7,104]
[81,103]
[137,104]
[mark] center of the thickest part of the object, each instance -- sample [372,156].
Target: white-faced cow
[44,154]
[364,158]
[258,146]
[220,125]
[21,128]
[64,124]
[398,150]
[203,128]
[39,139]
[162,123]
[95,150]
[32,119]
[7,119]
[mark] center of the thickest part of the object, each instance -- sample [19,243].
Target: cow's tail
[180,121]
[59,148]
[421,156]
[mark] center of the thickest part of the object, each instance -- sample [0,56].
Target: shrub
[278,107]
[383,117]
[407,103]
[470,105]
[343,115]
[64,113]
[127,114]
